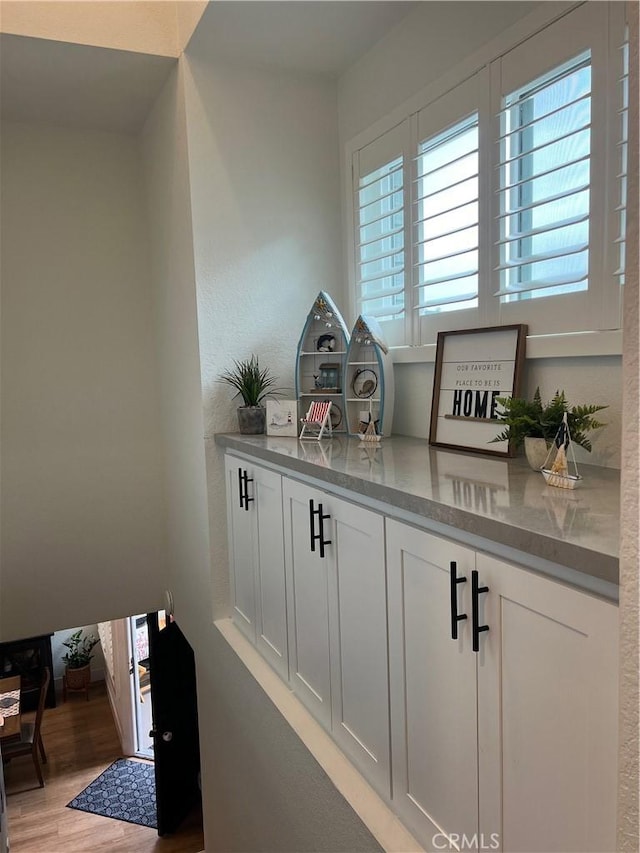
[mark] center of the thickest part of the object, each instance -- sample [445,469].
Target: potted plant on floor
[253,384]
[534,424]
[78,660]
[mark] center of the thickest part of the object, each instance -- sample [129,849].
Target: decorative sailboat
[558,474]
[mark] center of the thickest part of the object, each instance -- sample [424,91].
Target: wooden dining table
[10,720]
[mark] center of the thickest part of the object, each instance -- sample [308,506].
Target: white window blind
[446,220]
[380,222]
[381,241]
[623,158]
[545,148]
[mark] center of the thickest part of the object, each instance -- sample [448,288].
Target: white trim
[523,29]
[376,815]
[562,345]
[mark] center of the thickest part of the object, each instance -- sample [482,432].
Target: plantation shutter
[552,205]
[623,159]
[545,154]
[446,248]
[379,208]
[449,229]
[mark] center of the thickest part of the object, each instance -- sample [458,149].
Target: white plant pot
[536,451]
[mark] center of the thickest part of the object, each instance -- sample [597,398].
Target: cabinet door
[358,639]
[271,610]
[242,544]
[433,686]
[547,698]
[307,602]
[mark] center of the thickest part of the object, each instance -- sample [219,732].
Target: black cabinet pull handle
[455,616]
[312,531]
[247,499]
[243,491]
[241,488]
[476,591]
[317,537]
[321,517]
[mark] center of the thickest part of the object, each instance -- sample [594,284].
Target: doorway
[140,671]
[83,736]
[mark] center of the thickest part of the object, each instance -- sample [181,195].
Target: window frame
[386,147]
[439,115]
[599,28]
[599,307]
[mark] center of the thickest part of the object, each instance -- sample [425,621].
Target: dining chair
[30,737]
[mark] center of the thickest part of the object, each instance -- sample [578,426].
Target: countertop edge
[428,512]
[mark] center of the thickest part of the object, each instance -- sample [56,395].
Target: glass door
[141,685]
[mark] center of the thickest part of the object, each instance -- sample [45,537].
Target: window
[545,145]
[447,220]
[499,201]
[622,159]
[381,241]
[380,228]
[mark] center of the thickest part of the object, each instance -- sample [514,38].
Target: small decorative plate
[326,343]
[365,383]
[335,415]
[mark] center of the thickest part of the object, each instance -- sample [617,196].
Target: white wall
[584,380]
[264,221]
[629,754]
[82,486]
[58,650]
[425,45]
[422,47]
[265,197]
[168,207]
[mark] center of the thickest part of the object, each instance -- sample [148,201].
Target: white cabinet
[492,689]
[433,686]
[256,546]
[547,700]
[338,622]
[513,744]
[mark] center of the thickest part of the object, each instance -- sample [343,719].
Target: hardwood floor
[81,741]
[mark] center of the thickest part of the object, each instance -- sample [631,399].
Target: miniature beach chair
[317,421]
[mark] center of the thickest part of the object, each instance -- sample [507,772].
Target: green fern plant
[251,382]
[534,418]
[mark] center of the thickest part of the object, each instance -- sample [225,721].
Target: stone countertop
[501,500]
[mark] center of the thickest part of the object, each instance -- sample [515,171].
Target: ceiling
[313,37]
[105,89]
[77,85]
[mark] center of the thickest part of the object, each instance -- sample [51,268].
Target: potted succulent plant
[534,424]
[78,660]
[253,384]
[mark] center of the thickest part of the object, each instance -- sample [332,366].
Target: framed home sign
[473,368]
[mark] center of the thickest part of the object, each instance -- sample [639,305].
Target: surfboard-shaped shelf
[369,380]
[321,360]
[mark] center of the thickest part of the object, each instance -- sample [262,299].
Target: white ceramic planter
[536,450]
